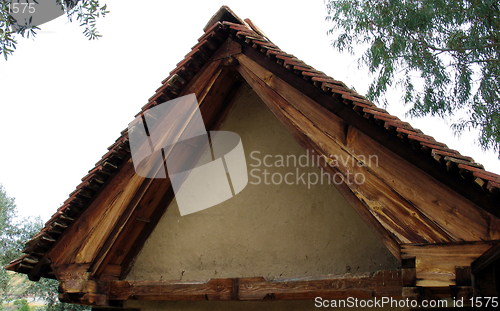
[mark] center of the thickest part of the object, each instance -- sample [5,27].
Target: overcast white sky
[65,99]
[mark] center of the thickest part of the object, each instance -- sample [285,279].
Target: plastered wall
[271,230]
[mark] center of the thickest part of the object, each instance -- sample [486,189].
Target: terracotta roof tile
[397,124]
[382,117]
[451,153]
[493,186]
[356,99]
[277,52]
[327,80]
[473,168]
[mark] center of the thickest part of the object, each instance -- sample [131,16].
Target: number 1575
[21,7]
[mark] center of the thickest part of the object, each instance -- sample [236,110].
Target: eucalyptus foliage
[444,54]
[85,12]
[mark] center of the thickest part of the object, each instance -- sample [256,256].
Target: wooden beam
[215,289]
[132,239]
[381,283]
[40,269]
[212,71]
[103,209]
[435,201]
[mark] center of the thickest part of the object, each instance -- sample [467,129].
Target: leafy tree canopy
[14,287]
[85,12]
[444,54]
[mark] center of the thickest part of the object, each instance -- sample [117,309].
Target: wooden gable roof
[424,198]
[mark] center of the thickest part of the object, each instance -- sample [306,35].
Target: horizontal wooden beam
[385,283]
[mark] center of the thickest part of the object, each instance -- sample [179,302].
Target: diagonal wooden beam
[212,109]
[127,238]
[106,216]
[282,109]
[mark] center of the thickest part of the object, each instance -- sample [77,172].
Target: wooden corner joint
[462,289]
[227,51]
[440,265]
[86,292]
[40,269]
[230,62]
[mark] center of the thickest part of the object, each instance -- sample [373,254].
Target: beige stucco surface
[274,231]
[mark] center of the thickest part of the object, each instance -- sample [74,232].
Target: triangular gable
[288,222]
[420,193]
